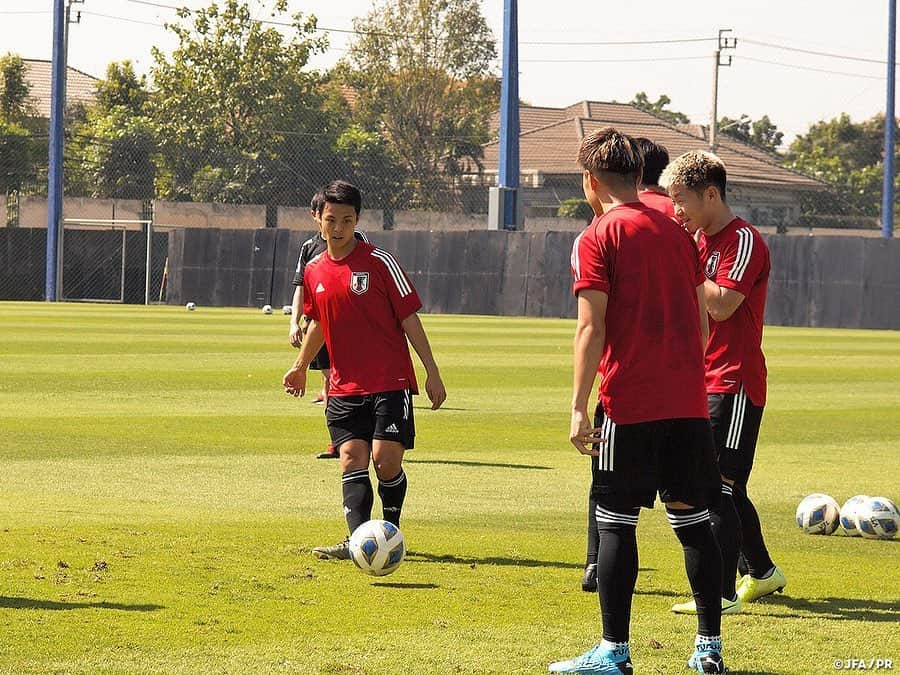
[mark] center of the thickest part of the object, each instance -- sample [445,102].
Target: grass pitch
[159,497]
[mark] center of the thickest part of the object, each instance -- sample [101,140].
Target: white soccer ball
[267,309]
[287,309]
[377,547]
[848,515]
[878,518]
[190,307]
[818,514]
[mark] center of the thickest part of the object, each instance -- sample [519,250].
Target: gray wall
[816,281]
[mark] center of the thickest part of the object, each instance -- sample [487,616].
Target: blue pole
[887,193]
[55,182]
[508,169]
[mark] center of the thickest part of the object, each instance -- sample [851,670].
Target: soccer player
[736,262]
[641,324]
[656,157]
[363,307]
[309,250]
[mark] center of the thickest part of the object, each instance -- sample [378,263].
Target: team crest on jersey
[359,282]
[712,265]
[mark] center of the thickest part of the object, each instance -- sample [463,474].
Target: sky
[797,61]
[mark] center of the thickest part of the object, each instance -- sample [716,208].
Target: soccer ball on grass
[877,518]
[190,307]
[818,514]
[848,515]
[267,309]
[377,547]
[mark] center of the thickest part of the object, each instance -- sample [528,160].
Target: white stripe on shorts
[739,407]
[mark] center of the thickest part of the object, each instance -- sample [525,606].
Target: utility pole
[724,42]
[887,192]
[503,211]
[62,15]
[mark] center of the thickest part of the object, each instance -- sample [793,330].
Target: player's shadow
[471,561]
[838,609]
[33,603]
[388,584]
[456,462]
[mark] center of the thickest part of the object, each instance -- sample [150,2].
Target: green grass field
[159,496]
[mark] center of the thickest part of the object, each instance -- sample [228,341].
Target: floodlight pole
[55,178]
[508,165]
[887,193]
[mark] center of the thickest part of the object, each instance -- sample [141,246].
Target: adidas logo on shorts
[392,429]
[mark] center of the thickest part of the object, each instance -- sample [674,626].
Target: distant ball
[848,515]
[190,307]
[818,514]
[877,518]
[377,547]
[267,309]
[287,309]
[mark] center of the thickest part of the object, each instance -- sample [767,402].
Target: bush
[575,208]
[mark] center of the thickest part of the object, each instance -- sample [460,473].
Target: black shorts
[387,416]
[674,457]
[735,422]
[321,361]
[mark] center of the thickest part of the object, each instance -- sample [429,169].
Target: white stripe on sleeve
[396,273]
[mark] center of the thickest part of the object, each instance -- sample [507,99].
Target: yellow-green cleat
[751,589]
[728,607]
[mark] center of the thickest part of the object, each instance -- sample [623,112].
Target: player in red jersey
[736,262]
[656,157]
[363,307]
[641,325]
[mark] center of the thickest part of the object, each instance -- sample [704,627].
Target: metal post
[55,179]
[148,267]
[508,166]
[887,194]
[714,118]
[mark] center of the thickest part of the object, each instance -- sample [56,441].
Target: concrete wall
[33,210]
[223,216]
[816,281]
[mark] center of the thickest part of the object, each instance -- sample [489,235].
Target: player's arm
[721,302]
[704,316]
[590,340]
[296,334]
[295,379]
[434,385]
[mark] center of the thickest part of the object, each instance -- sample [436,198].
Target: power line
[121,18]
[622,42]
[799,50]
[23,12]
[640,60]
[815,70]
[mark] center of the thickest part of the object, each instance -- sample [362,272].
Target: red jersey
[660,202]
[652,364]
[737,258]
[360,302]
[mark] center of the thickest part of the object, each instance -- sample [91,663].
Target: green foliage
[658,108]
[421,70]
[240,115]
[17,155]
[370,165]
[761,133]
[161,497]
[15,101]
[575,208]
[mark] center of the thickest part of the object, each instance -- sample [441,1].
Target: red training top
[648,265]
[660,202]
[737,258]
[360,302]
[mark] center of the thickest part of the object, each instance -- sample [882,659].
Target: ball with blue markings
[818,514]
[377,547]
[877,518]
[848,515]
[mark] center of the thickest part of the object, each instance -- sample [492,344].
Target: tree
[762,133]
[642,102]
[18,148]
[239,115]
[421,72]
[15,99]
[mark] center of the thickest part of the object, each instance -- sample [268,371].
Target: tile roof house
[759,188]
[80,87]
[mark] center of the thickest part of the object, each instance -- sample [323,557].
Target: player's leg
[689,484]
[395,432]
[322,362]
[323,392]
[351,425]
[589,578]
[726,412]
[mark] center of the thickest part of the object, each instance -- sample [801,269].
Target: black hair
[317,202]
[656,158]
[341,192]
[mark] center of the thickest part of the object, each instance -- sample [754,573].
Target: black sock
[726,526]
[593,537]
[753,547]
[703,564]
[392,493]
[358,497]
[617,569]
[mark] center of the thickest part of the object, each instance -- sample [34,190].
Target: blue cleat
[707,657]
[597,661]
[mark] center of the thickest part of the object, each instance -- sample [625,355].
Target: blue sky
[773,70]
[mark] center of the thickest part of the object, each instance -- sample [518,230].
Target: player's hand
[583,436]
[434,387]
[295,336]
[295,381]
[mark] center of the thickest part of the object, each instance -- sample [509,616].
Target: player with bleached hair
[736,264]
